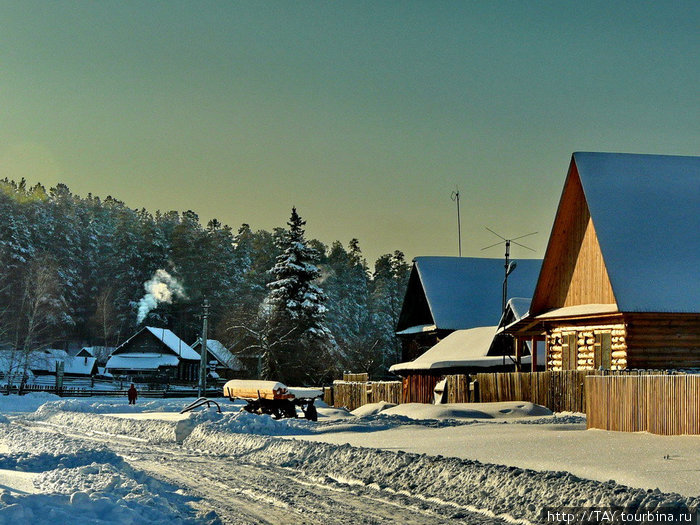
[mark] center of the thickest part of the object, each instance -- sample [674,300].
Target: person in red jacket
[132,394]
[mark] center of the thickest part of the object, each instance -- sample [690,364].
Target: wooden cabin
[155,354]
[445,294]
[620,283]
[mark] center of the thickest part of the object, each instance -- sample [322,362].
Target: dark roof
[646,213]
[456,293]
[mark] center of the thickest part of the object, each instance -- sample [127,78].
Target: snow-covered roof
[417,329]
[464,292]
[141,361]
[220,353]
[461,348]
[45,361]
[646,213]
[169,339]
[579,310]
[519,306]
[79,365]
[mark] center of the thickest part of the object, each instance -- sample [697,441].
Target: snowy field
[100,460]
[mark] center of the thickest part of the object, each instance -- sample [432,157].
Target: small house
[221,362]
[619,283]
[155,354]
[445,294]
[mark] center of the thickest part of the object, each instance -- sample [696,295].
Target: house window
[603,350]
[569,354]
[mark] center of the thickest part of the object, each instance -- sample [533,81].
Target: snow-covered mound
[371,409]
[510,409]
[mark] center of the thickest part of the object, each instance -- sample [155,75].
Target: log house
[619,286]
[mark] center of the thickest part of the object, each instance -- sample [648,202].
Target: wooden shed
[620,284]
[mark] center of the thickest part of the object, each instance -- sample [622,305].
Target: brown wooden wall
[663,340]
[573,270]
[419,388]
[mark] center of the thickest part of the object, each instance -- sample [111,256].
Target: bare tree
[39,310]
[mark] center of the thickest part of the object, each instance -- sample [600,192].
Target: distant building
[221,362]
[619,285]
[155,354]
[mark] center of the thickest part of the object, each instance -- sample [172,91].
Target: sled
[270,397]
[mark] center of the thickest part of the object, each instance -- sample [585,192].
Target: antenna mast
[455,197]
[509,266]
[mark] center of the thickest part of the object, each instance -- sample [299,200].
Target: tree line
[72,270]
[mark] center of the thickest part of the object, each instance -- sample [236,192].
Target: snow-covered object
[645,211]
[254,389]
[463,292]
[371,409]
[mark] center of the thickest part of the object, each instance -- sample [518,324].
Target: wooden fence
[352,394]
[560,391]
[660,404]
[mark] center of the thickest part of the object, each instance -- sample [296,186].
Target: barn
[619,284]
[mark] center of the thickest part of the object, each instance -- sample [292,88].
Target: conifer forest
[89,271]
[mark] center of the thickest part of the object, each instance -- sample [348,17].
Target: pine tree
[300,345]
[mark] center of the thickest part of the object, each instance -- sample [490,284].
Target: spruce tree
[299,345]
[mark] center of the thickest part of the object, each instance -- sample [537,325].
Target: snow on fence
[660,404]
[558,390]
[354,394]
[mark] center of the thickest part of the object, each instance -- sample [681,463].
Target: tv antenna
[455,197]
[509,266]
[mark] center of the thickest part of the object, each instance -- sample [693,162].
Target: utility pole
[204,351]
[455,197]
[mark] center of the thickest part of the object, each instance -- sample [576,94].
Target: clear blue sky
[365,115]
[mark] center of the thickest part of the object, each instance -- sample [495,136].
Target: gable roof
[172,342]
[646,214]
[455,293]
[220,353]
[461,348]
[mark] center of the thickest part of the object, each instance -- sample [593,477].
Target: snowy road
[240,492]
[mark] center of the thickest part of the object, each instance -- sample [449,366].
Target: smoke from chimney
[161,288]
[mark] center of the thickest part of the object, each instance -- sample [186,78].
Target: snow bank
[511,409]
[26,403]
[77,484]
[462,483]
[151,431]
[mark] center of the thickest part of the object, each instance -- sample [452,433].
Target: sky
[365,115]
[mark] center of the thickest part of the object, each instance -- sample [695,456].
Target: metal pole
[202,392]
[505,279]
[455,197]
[459,226]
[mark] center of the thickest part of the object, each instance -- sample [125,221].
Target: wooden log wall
[354,394]
[585,341]
[664,340]
[660,404]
